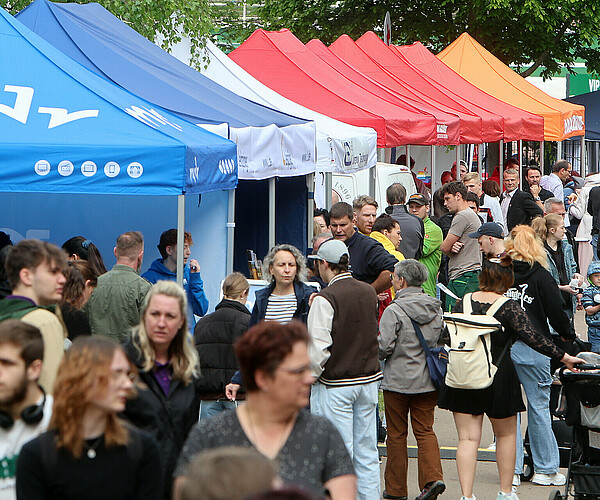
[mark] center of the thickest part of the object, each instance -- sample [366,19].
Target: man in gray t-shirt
[465,258]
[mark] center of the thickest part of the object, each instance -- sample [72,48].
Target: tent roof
[373,57]
[331,134]
[104,44]
[66,130]
[518,123]
[591,102]
[457,126]
[477,65]
[280,61]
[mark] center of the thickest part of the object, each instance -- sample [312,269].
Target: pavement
[486,479]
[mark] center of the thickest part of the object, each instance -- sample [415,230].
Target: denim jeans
[533,370]
[594,243]
[352,409]
[594,338]
[209,408]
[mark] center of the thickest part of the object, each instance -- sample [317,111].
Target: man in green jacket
[116,304]
[418,204]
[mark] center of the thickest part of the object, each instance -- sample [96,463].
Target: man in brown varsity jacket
[342,322]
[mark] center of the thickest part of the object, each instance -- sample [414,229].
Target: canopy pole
[501,161]
[458,162]
[180,236]
[373,172]
[408,156]
[310,184]
[559,150]
[328,187]
[271,212]
[542,156]
[433,171]
[521,153]
[479,162]
[583,157]
[230,230]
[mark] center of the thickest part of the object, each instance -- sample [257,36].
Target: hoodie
[192,284]
[537,293]
[405,369]
[589,293]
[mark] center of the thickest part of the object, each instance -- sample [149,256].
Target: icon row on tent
[89,168]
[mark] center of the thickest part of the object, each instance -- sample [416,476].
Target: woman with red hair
[88,451]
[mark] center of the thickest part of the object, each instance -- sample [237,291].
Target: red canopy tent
[518,123]
[371,56]
[280,61]
[453,126]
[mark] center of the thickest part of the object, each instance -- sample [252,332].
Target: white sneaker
[516,480]
[507,496]
[557,479]
[465,498]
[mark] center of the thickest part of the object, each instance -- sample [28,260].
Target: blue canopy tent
[270,143]
[591,101]
[574,146]
[65,130]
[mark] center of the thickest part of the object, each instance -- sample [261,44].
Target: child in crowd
[591,303]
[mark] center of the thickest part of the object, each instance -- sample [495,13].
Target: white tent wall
[102,218]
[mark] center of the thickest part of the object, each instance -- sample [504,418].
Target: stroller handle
[587,366]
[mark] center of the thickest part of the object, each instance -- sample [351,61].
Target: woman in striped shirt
[286,297]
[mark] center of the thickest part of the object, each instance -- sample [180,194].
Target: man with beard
[25,409]
[35,270]
[116,304]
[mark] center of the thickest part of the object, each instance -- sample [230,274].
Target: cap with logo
[418,198]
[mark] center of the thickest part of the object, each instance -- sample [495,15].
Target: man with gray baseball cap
[490,239]
[342,323]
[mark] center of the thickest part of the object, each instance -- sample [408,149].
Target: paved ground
[486,481]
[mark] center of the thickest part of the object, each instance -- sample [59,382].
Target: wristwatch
[537,198]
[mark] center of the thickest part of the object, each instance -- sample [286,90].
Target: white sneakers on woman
[556,479]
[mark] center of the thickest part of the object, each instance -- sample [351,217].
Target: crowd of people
[120,385]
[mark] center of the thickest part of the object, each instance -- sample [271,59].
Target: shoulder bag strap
[418,332]
[420,337]
[467,305]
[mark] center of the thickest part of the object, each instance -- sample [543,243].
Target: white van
[348,186]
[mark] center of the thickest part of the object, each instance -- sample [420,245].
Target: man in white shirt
[25,409]
[554,182]
[489,207]
[342,323]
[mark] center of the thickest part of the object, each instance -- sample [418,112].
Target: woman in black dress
[502,400]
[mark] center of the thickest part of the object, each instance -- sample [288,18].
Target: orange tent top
[477,65]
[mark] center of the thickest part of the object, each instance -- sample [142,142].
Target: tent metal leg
[180,236]
[230,230]
[271,212]
[310,183]
[583,157]
[328,186]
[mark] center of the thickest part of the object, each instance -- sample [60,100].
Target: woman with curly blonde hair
[88,451]
[168,406]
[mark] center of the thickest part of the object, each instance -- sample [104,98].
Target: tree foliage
[169,19]
[526,33]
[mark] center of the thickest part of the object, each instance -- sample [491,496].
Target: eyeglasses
[120,375]
[295,371]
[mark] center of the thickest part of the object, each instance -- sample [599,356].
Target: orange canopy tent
[477,65]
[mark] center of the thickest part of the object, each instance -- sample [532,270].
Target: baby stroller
[581,396]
